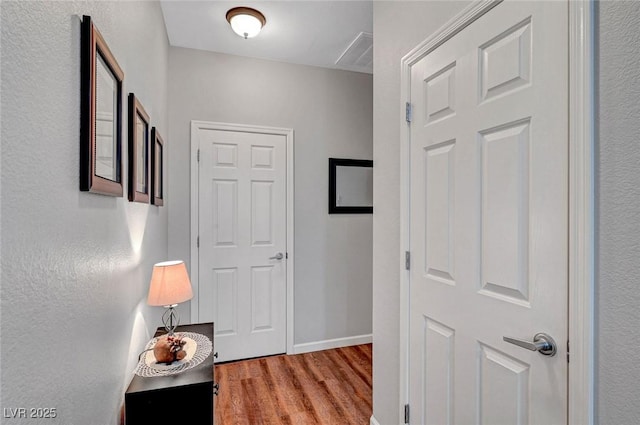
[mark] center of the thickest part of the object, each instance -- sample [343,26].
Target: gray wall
[330,112]
[618,214]
[398,27]
[75,266]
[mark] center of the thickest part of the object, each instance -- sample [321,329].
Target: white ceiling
[303,32]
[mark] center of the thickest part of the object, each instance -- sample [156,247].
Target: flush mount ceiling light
[245,21]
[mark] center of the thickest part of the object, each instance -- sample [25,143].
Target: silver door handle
[278,256]
[541,342]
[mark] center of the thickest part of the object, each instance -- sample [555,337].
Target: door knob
[541,342]
[278,256]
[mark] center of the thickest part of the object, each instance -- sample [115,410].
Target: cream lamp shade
[245,21]
[170,284]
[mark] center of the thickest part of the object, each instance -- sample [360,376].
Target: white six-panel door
[242,226]
[488,220]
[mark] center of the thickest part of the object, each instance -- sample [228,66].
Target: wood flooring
[323,387]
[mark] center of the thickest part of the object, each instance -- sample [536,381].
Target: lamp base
[170,318]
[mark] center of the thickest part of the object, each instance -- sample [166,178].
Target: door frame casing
[195,143]
[581,199]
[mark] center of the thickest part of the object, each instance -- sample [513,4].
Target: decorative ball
[169,349]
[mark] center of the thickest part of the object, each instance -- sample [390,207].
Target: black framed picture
[350,186]
[100,114]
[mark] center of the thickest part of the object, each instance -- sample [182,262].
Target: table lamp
[170,285]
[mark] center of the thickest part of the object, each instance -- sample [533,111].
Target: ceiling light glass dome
[246,22]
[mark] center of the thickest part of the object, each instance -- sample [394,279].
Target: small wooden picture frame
[157,170]
[138,151]
[100,114]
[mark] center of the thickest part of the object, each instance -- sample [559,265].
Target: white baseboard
[373,421]
[328,344]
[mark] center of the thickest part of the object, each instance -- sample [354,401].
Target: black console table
[186,397]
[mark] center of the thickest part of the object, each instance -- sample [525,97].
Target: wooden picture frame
[350,186]
[138,151]
[157,169]
[100,114]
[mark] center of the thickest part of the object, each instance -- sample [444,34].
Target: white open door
[489,221]
[242,230]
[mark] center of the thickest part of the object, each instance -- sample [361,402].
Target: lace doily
[198,347]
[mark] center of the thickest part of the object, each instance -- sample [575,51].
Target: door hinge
[567,351]
[198,242]
[408,111]
[198,155]
[407,260]
[406,413]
